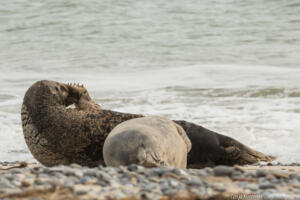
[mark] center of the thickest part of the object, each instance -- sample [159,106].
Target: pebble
[223,170]
[5,183]
[194,182]
[260,173]
[280,174]
[219,187]
[270,177]
[264,186]
[150,187]
[252,187]
[250,174]
[236,173]
[80,192]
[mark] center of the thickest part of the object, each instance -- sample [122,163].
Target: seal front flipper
[210,148]
[150,157]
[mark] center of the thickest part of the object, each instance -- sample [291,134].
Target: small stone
[179,172]
[150,196]
[104,176]
[2,190]
[173,183]
[119,195]
[239,168]
[16,171]
[293,176]
[264,186]
[194,182]
[35,198]
[202,173]
[149,187]
[4,183]
[236,173]
[38,182]
[220,187]
[198,192]
[260,173]
[159,171]
[296,185]
[250,173]
[80,192]
[252,187]
[132,167]
[16,183]
[270,177]
[180,186]
[223,170]
[210,192]
[78,173]
[280,174]
[166,190]
[209,170]
[74,165]
[163,183]
[84,179]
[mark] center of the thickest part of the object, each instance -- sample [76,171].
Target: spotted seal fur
[56,134]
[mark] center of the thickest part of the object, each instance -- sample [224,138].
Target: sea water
[230,66]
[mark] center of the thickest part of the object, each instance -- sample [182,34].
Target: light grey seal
[148,141]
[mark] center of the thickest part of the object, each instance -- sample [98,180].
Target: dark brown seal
[56,134]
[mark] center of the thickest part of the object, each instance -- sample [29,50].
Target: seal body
[148,141]
[56,134]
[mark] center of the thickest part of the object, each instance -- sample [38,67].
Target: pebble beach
[34,181]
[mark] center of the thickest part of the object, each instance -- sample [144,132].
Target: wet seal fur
[148,141]
[56,134]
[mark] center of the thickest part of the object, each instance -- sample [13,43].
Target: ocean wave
[237,92]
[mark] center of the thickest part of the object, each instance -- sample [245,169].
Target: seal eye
[56,88]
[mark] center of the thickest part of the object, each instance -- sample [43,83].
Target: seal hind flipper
[240,154]
[210,148]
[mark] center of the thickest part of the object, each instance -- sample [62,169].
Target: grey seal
[151,141]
